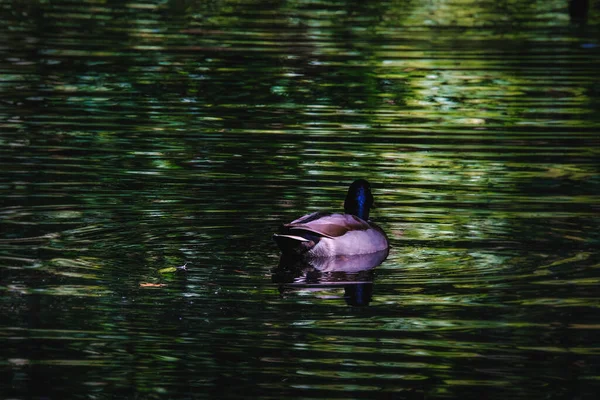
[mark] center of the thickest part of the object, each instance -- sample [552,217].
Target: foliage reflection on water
[136,137]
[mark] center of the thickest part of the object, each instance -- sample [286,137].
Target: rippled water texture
[137,137]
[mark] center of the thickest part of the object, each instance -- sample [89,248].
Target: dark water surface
[138,136]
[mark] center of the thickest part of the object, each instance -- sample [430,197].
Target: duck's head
[359,199]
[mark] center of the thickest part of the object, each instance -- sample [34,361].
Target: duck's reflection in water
[353,273]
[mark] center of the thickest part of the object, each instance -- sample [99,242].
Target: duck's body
[328,235]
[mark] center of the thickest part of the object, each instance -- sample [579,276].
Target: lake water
[136,137]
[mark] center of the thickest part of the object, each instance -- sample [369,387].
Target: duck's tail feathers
[293,244]
[292,237]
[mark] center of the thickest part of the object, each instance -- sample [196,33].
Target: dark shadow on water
[353,273]
[578,11]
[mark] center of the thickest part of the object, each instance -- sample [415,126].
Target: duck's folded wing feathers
[328,225]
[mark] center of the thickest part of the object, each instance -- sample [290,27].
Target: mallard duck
[328,235]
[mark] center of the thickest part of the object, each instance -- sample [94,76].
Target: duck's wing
[328,225]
